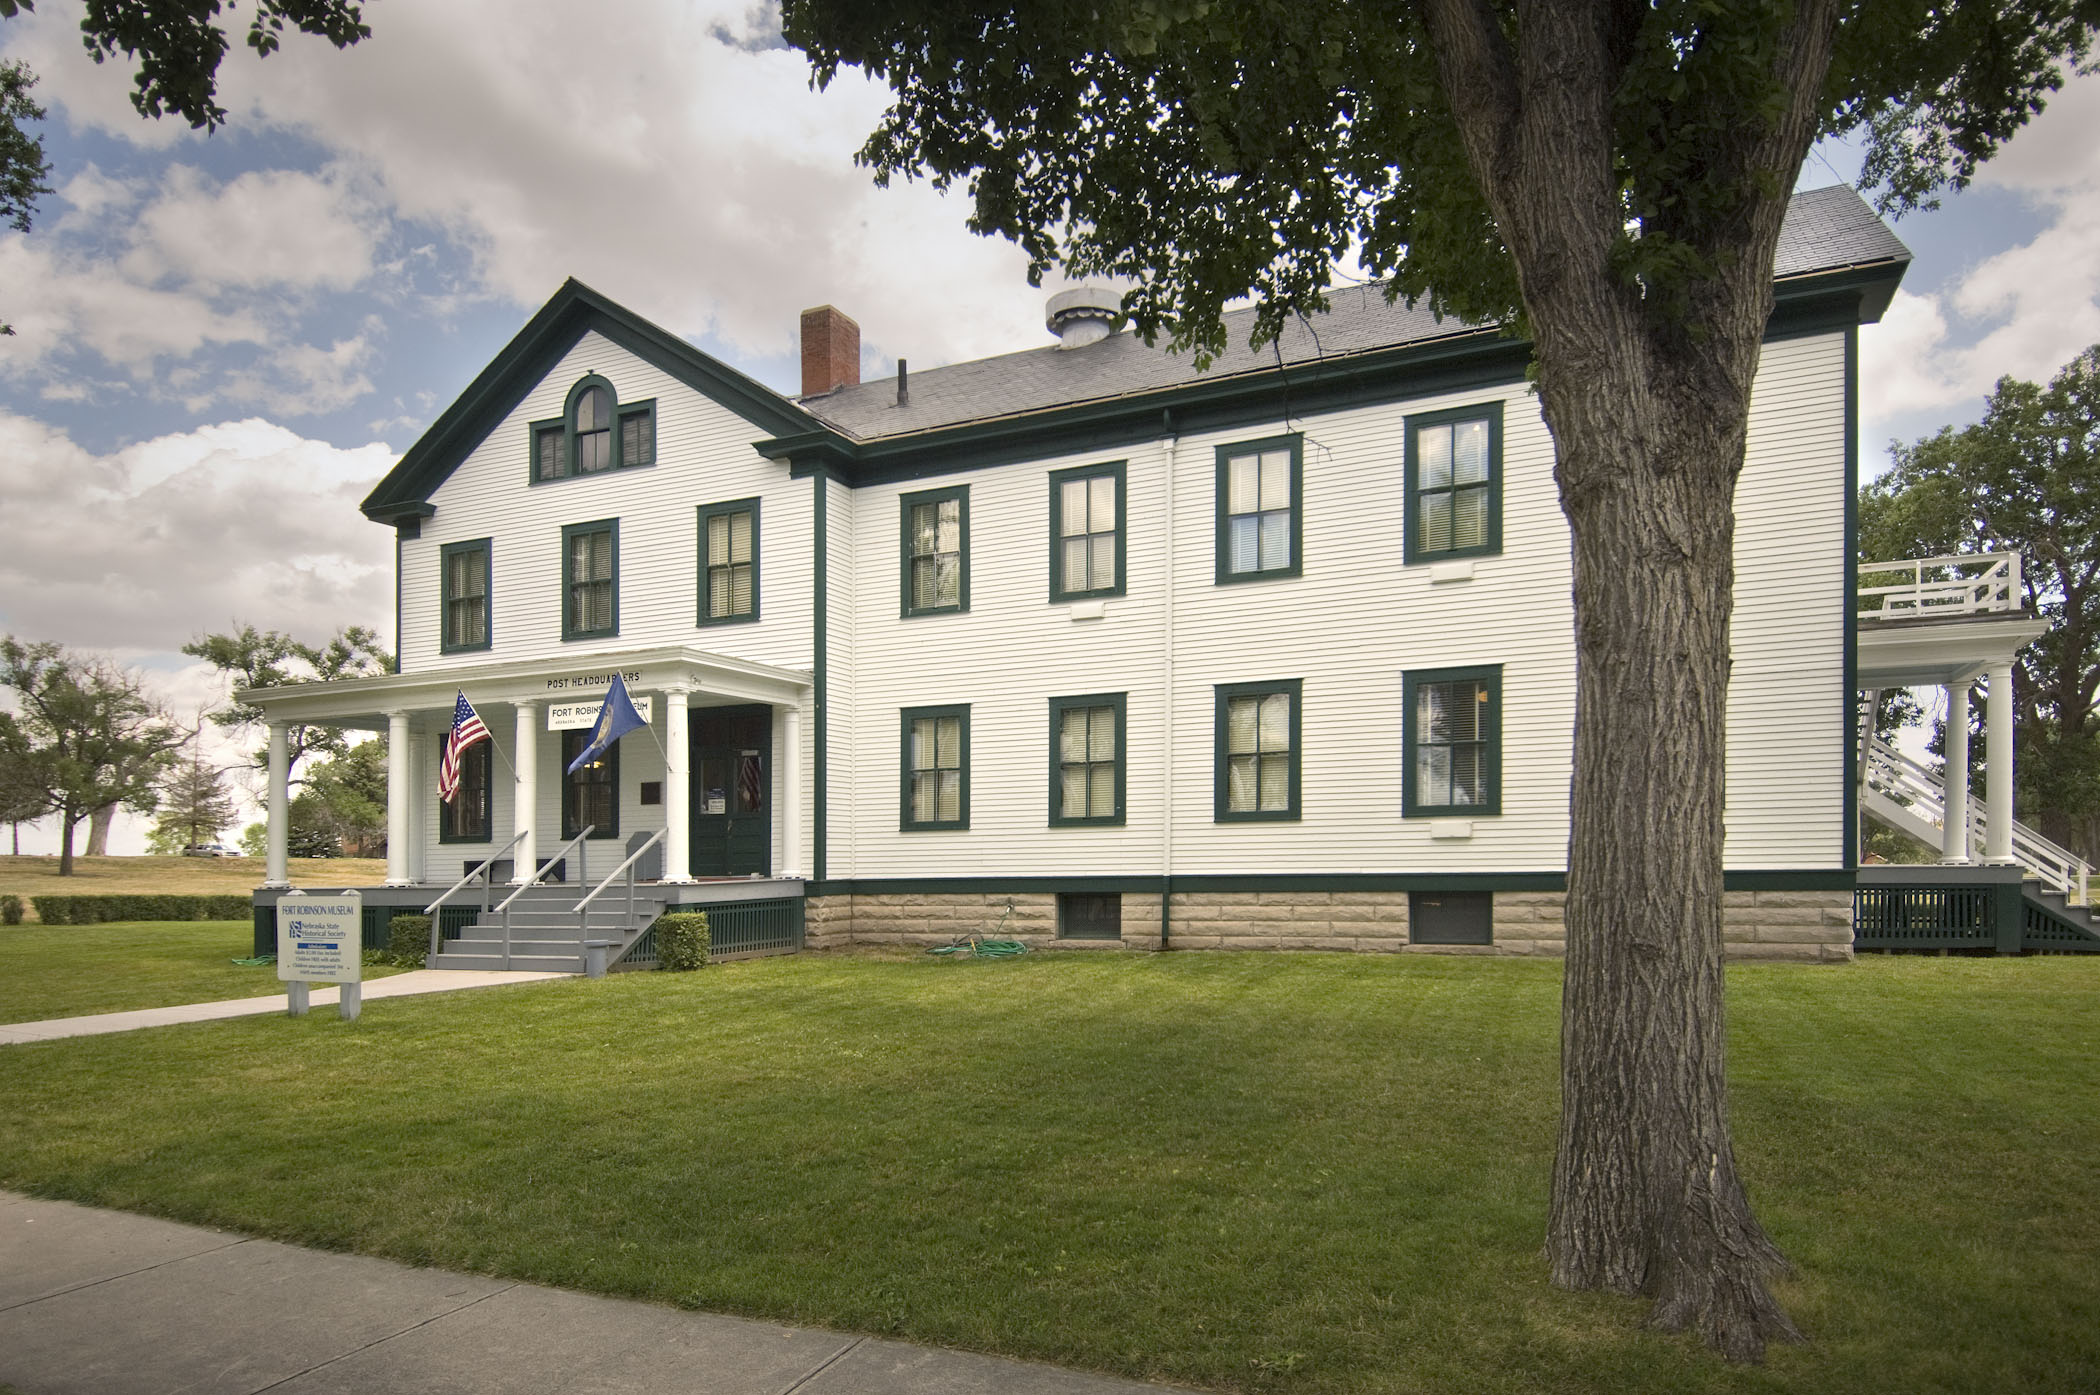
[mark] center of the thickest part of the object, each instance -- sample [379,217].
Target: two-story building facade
[1086,642]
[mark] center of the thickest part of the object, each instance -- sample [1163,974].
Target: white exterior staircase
[1910,798]
[547,933]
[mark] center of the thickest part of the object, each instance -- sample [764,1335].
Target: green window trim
[573,743]
[1259,531]
[921,565]
[570,630]
[932,785]
[1223,754]
[450,606]
[712,568]
[1091,702]
[1485,746]
[1088,533]
[470,818]
[1416,548]
[559,448]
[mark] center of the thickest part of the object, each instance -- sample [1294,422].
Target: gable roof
[574,311]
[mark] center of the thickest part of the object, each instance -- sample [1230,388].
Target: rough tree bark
[1649,427]
[98,830]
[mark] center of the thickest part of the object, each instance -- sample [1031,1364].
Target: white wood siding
[1348,628]
[704,456]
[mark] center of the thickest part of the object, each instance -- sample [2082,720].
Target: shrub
[681,940]
[95,910]
[10,910]
[408,940]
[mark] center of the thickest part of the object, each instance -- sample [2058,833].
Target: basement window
[1088,915]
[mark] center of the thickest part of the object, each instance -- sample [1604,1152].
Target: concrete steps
[546,934]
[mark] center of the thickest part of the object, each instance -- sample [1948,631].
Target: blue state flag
[615,719]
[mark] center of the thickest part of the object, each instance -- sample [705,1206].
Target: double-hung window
[936,767]
[465,568]
[1257,750]
[1086,760]
[590,798]
[936,526]
[1454,484]
[729,562]
[590,579]
[596,432]
[1261,487]
[1086,532]
[467,817]
[1452,750]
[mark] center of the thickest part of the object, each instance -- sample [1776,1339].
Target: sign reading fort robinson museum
[572,716]
[320,939]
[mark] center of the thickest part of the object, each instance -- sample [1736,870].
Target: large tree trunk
[98,830]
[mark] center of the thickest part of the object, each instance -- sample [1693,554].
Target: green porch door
[732,767]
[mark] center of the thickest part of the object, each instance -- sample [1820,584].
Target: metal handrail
[583,914]
[503,911]
[1963,592]
[431,910]
[1899,775]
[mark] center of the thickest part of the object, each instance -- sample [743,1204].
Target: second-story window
[729,562]
[595,433]
[1260,497]
[936,550]
[590,580]
[1454,484]
[1086,532]
[465,568]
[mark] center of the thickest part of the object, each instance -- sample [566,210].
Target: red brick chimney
[830,351]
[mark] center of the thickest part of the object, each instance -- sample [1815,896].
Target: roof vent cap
[1084,315]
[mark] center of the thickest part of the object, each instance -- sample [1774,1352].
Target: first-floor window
[466,819]
[1086,755]
[590,798]
[936,767]
[1453,741]
[1257,750]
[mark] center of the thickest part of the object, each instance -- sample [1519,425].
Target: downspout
[1166,686]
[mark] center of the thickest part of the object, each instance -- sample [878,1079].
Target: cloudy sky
[222,341]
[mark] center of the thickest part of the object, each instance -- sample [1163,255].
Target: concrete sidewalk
[393,986]
[111,1303]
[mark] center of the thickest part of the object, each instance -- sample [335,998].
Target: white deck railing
[1918,790]
[1976,583]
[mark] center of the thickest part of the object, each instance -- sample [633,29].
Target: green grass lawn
[72,970]
[1256,1172]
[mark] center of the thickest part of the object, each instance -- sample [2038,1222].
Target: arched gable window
[596,432]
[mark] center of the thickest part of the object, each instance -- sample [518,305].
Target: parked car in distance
[209,850]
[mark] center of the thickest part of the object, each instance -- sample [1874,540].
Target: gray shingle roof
[1826,230]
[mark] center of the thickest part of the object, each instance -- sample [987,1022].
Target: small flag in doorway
[616,718]
[466,730]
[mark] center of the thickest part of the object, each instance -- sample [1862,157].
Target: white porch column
[525,795]
[398,796]
[280,810]
[678,788]
[1954,821]
[1998,765]
[790,795]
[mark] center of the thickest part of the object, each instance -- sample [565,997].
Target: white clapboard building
[1082,643]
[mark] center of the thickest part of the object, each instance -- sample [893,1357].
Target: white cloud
[146,548]
[266,228]
[60,300]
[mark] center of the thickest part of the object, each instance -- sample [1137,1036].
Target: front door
[732,787]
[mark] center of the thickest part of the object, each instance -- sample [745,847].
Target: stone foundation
[1803,926]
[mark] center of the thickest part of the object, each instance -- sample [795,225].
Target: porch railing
[560,854]
[584,944]
[487,888]
[1977,583]
[1892,773]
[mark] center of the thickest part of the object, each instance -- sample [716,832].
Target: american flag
[466,730]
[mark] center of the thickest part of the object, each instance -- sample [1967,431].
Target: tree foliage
[25,786]
[254,658]
[95,733]
[2025,479]
[1607,178]
[345,799]
[194,806]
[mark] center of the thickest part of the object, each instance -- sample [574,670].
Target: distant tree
[194,806]
[1607,178]
[177,45]
[255,658]
[255,840]
[2025,479]
[98,736]
[348,796]
[25,787]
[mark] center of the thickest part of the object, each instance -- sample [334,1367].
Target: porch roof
[364,703]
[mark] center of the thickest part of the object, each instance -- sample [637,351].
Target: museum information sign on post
[321,939]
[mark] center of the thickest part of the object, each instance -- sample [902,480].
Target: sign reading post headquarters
[320,939]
